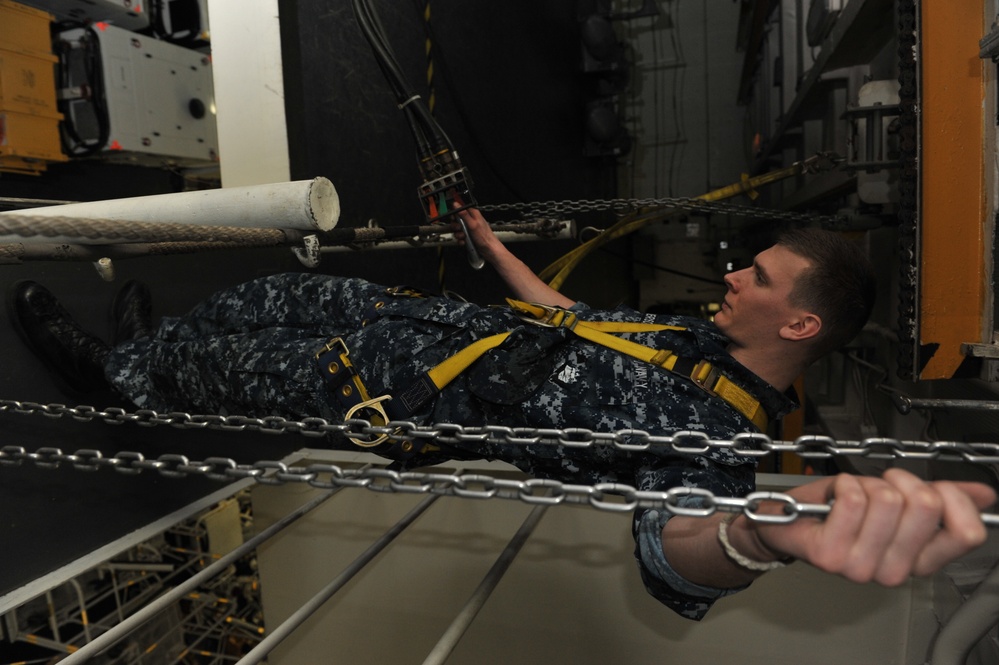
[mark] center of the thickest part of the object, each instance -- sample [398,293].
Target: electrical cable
[442,68]
[431,105]
[429,50]
[557,272]
[408,100]
[390,70]
[74,144]
[446,188]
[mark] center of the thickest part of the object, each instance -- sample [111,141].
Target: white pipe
[968,624]
[307,205]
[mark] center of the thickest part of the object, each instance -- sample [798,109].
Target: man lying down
[301,345]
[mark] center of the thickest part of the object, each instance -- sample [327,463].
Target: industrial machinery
[136,98]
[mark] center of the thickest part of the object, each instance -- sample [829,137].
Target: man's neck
[780,370]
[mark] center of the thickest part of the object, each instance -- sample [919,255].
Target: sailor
[301,345]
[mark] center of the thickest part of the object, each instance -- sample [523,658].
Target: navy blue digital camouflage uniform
[250,350]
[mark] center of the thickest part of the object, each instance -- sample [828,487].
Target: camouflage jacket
[251,350]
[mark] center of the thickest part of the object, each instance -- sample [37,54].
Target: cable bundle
[446,187]
[90,94]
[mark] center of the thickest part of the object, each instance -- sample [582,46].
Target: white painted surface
[306,204]
[249,92]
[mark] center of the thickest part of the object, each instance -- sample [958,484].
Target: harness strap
[346,383]
[432,382]
[703,373]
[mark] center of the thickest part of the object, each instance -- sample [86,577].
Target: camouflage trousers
[248,350]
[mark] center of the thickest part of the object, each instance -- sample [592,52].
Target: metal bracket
[989,353]
[989,44]
[309,253]
[105,268]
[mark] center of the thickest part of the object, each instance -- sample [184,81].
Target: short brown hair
[840,286]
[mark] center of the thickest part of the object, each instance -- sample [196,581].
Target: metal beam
[280,633]
[449,640]
[953,271]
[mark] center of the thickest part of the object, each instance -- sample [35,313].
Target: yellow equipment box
[29,115]
[29,141]
[24,29]
[27,82]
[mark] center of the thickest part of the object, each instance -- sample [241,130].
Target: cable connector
[447,187]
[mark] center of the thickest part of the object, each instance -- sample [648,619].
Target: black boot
[75,357]
[131,313]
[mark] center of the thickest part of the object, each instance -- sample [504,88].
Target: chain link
[624,206]
[608,497]
[612,497]
[748,444]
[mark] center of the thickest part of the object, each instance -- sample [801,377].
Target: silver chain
[614,497]
[749,444]
[610,497]
[622,206]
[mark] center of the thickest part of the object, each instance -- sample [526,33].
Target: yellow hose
[559,270]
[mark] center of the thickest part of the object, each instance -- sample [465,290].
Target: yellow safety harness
[341,375]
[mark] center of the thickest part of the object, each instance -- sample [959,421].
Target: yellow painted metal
[29,116]
[29,142]
[27,82]
[793,426]
[23,28]
[953,205]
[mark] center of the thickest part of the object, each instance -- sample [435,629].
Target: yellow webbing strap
[599,332]
[450,368]
[557,272]
[445,372]
[742,402]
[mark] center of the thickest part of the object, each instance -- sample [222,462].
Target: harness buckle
[552,316]
[709,379]
[373,404]
[334,344]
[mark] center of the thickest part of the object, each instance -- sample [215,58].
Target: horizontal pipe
[449,640]
[906,404]
[308,205]
[350,239]
[442,240]
[280,633]
[15,253]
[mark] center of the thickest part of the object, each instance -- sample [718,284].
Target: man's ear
[804,327]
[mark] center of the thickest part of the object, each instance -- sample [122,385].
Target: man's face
[757,304]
